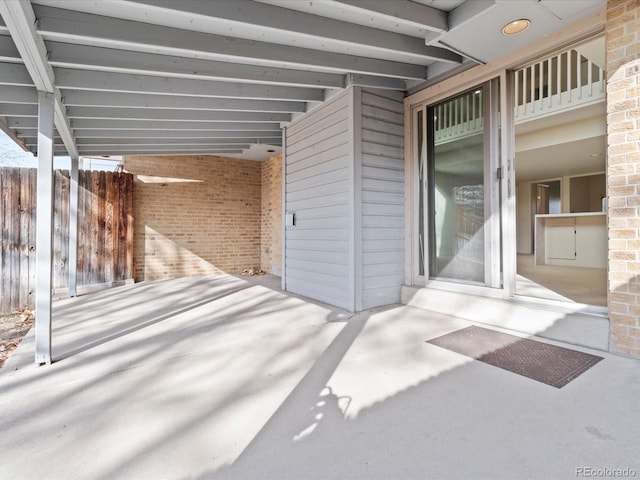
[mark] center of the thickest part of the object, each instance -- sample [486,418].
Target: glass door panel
[456,178]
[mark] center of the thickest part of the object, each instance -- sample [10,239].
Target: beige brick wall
[271,243]
[195,215]
[623,173]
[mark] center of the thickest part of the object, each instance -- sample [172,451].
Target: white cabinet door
[561,242]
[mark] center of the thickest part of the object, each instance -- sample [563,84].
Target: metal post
[44,240]
[283,260]
[73,227]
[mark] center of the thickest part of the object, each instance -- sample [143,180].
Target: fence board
[95,181]
[84,248]
[129,227]
[14,238]
[26,235]
[108,228]
[105,232]
[5,221]
[64,209]
[122,223]
[100,247]
[115,228]
[57,230]
[33,181]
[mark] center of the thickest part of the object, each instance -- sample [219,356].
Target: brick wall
[271,243]
[195,215]
[623,173]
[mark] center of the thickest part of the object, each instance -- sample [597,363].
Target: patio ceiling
[222,77]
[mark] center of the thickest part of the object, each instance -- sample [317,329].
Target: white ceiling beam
[20,21]
[18,95]
[467,11]
[12,135]
[424,16]
[71,79]
[8,50]
[109,99]
[95,124]
[23,123]
[463,14]
[110,60]
[244,17]
[237,136]
[32,140]
[15,74]
[385,83]
[18,110]
[209,142]
[154,150]
[75,27]
[166,114]
[27,122]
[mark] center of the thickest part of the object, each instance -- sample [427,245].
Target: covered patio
[227,377]
[224,78]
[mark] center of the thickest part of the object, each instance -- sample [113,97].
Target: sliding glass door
[456,188]
[458,197]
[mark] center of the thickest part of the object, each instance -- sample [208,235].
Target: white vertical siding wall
[382,187]
[344,183]
[319,191]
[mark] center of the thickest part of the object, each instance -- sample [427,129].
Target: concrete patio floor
[222,377]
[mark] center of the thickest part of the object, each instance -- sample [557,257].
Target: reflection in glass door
[456,187]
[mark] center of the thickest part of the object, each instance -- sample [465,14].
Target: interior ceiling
[564,159]
[222,77]
[563,155]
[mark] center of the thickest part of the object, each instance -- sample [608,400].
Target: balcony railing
[559,83]
[562,82]
[458,118]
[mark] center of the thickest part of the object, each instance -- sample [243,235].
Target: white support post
[73,227]
[550,81]
[508,184]
[491,97]
[283,278]
[44,235]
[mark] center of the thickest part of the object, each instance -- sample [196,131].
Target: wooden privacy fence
[105,232]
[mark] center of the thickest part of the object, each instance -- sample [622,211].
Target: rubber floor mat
[550,364]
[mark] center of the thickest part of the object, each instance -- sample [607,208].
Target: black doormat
[555,366]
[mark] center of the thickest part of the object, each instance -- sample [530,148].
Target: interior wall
[523,218]
[195,215]
[587,193]
[568,195]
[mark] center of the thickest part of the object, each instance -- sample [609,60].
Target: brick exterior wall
[623,173]
[195,215]
[271,242]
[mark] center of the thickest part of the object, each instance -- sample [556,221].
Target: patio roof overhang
[118,77]
[156,76]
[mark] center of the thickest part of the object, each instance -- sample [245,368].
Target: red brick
[204,221]
[621,319]
[271,217]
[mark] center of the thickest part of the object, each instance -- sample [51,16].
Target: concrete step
[571,323]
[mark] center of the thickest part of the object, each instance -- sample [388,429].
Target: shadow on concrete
[248,382]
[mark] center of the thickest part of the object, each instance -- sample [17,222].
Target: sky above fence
[11,155]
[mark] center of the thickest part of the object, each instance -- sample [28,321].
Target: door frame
[495,183]
[580,31]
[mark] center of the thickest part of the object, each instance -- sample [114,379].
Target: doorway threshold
[577,324]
